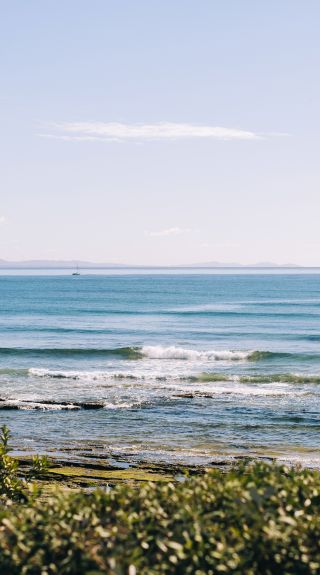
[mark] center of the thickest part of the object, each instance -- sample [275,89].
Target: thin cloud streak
[162,131]
[175,231]
[220,245]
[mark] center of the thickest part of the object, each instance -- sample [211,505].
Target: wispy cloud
[162,131]
[220,245]
[2,219]
[175,231]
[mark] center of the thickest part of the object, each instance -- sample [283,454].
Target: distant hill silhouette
[70,264]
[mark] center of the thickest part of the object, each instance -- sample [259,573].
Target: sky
[160,132]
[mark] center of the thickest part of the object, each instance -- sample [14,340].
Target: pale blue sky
[109,145]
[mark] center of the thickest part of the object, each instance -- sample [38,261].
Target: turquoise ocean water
[193,367]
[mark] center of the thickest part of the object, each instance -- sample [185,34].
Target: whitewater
[187,367]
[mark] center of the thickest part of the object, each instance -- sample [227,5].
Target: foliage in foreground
[256,520]
[12,486]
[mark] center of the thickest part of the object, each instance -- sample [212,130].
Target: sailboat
[76,273]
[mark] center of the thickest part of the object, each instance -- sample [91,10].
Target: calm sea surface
[190,367]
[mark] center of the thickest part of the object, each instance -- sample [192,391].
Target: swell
[126,352]
[233,313]
[157,352]
[257,378]
[104,331]
[281,378]
[13,371]
[227,312]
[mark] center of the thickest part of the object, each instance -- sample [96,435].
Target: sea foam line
[203,377]
[174,352]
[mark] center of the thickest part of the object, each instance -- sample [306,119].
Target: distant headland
[70,264]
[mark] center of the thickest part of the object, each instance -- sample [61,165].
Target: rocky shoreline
[103,473]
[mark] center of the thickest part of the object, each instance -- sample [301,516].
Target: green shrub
[13,485]
[254,520]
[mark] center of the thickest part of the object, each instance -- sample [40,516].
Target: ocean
[191,367]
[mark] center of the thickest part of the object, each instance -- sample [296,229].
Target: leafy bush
[254,520]
[10,485]
[13,487]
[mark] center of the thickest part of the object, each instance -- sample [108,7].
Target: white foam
[174,352]
[104,375]
[29,405]
[121,405]
[224,388]
[84,375]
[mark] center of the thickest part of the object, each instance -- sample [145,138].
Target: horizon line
[85,264]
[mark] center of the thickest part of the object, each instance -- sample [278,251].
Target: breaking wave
[153,352]
[174,352]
